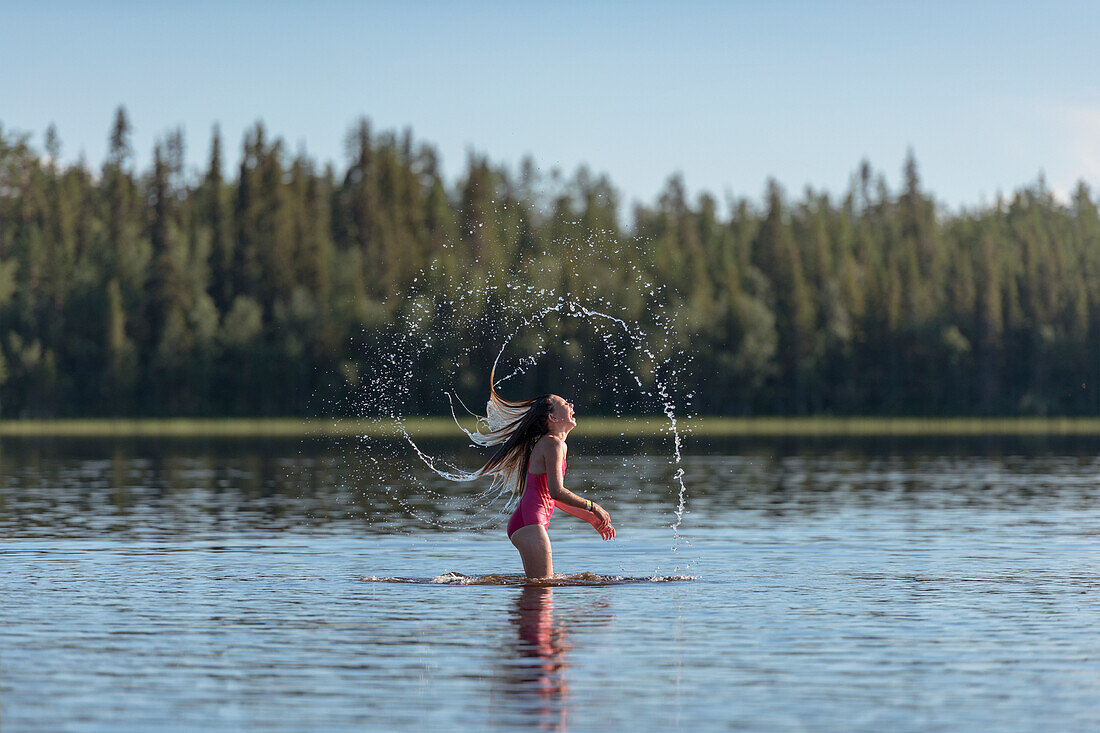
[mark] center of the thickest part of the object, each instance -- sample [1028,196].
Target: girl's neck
[559,433]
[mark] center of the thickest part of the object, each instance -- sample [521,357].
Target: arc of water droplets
[496,489]
[481,499]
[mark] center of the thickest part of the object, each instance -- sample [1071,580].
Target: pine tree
[215,217]
[169,292]
[779,259]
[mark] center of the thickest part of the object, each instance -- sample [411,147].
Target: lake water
[220,586]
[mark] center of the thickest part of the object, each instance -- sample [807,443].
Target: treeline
[167,292]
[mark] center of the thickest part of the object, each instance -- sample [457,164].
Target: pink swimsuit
[536,506]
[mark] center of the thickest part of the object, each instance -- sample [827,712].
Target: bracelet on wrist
[589,504]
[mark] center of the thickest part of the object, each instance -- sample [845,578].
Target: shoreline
[593,427]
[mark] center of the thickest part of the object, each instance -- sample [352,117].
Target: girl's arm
[604,528]
[569,502]
[562,496]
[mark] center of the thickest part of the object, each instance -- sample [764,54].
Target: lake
[223,585]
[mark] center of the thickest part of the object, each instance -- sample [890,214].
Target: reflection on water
[537,683]
[75,488]
[219,587]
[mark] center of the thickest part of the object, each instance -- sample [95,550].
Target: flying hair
[515,427]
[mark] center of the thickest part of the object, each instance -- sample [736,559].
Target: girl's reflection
[537,686]
[537,683]
[541,640]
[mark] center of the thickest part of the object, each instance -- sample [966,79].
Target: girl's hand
[602,516]
[602,522]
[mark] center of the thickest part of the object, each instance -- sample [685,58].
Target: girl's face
[561,414]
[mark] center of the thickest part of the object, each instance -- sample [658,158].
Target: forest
[176,292]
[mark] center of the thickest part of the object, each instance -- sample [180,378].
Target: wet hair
[515,427]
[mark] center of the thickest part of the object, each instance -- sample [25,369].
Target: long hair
[515,427]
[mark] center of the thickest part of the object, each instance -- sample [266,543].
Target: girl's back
[544,454]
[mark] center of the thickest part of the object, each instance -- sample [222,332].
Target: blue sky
[987,94]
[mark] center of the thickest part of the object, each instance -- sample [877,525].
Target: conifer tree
[780,261]
[216,219]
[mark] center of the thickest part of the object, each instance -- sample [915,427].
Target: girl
[531,458]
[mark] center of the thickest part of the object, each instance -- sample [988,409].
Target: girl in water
[531,458]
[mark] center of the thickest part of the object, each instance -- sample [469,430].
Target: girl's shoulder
[547,446]
[545,453]
[552,442]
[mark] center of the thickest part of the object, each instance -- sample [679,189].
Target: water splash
[574,579]
[455,323]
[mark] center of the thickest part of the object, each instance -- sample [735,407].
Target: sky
[988,95]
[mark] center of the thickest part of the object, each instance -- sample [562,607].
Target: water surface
[188,585]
